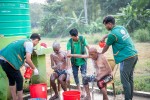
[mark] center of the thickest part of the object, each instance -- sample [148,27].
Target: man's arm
[69,71]
[78,56]
[87,47]
[105,49]
[29,61]
[111,39]
[103,39]
[29,48]
[68,63]
[108,68]
[68,58]
[52,61]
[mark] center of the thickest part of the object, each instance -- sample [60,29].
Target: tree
[52,12]
[136,15]
[63,15]
[112,6]
[36,13]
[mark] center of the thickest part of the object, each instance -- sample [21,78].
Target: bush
[142,35]
[142,83]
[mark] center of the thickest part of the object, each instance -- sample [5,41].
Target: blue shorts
[60,72]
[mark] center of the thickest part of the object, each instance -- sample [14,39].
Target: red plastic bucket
[71,95]
[38,90]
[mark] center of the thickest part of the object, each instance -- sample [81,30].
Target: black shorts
[14,76]
[60,72]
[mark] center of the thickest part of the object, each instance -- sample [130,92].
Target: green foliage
[142,35]
[61,16]
[96,26]
[52,13]
[60,19]
[136,15]
[93,9]
[142,83]
[36,14]
[112,6]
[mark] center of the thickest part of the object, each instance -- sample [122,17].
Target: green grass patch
[142,83]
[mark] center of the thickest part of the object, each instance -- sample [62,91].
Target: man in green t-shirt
[124,53]
[76,45]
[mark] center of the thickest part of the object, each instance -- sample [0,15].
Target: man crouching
[59,64]
[102,75]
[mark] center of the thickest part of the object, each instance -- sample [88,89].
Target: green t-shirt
[77,50]
[122,44]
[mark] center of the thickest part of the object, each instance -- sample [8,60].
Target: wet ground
[98,96]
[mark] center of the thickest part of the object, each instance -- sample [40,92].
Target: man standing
[124,53]
[59,64]
[12,58]
[102,69]
[76,45]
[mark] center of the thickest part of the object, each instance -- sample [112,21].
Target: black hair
[109,19]
[73,32]
[35,36]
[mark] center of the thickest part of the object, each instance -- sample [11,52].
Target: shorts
[14,76]
[88,78]
[101,83]
[60,72]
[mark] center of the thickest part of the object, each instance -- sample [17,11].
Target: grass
[142,69]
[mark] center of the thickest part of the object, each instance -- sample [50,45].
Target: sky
[37,1]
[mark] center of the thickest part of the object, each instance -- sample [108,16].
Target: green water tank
[15,18]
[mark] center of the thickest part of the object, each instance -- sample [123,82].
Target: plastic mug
[28,73]
[102,44]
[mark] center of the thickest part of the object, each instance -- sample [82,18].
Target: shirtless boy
[59,64]
[103,72]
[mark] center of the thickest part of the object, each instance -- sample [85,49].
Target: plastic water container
[15,18]
[28,73]
[38,91]
[71,95]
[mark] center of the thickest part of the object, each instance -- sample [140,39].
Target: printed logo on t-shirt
[122,32]
[125,35]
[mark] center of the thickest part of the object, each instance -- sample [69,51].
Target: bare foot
[82,94]
[88,97]
[54,97]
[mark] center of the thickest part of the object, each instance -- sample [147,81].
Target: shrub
[142,35]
